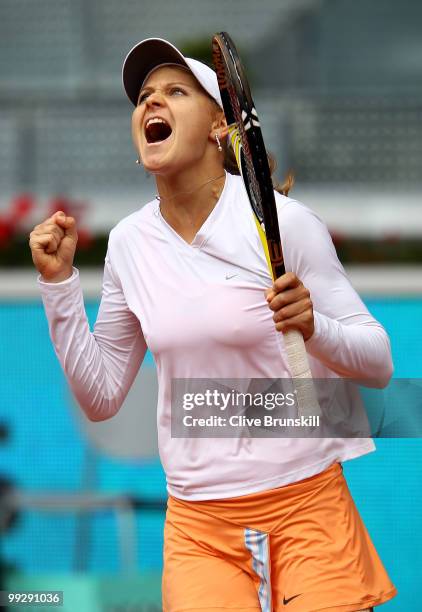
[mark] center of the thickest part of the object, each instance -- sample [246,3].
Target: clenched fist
[53,246]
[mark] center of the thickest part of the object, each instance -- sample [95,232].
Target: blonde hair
[230,164]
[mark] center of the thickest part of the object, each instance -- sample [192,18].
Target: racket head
[248,144]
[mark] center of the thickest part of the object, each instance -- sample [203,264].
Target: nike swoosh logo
[229,276]
[286,601]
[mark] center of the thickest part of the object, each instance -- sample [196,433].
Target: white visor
[151,53]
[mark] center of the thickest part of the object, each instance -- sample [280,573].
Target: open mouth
[157,130]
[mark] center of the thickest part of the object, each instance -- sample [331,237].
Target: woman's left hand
[291,302]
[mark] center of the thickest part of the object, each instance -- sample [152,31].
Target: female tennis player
[252,523]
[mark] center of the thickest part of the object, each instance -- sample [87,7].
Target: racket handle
[306,397]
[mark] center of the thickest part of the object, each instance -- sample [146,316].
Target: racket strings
[240,145]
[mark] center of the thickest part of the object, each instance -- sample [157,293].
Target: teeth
[154,120]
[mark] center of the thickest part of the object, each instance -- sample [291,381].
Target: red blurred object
[22,205]
[392,237]
[70,207]
[11,220]
[74,209]
[85,238]
[337,237]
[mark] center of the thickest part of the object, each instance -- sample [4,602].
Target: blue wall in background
[46,451]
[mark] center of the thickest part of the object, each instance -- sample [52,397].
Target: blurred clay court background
[338,86]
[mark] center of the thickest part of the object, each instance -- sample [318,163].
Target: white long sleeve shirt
[200,309]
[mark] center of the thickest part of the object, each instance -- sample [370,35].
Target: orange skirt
[299,548]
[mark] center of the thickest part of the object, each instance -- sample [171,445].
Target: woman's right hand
[53,246]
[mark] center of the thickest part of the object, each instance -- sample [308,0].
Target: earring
[220,148]
[138,161]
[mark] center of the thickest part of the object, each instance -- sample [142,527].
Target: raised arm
[100,366]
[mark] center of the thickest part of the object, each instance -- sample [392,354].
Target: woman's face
[172,123]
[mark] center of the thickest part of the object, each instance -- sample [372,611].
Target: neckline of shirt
[204,231]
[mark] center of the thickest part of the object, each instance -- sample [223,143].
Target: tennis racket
[251,156]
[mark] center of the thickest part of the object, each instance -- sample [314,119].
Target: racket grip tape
[306,397]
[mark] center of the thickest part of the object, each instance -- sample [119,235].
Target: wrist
[57,278]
